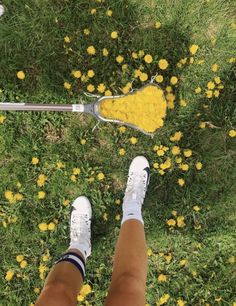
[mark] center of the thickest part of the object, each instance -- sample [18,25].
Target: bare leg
[129,275]
[62,285]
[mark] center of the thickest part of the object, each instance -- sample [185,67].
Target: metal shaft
[36,107]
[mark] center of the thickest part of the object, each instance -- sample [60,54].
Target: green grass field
[190,229]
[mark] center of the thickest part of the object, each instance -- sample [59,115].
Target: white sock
[131,210]
[80,247]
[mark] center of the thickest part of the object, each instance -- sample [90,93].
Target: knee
[128,283]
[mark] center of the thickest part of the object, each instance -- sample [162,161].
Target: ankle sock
[131,210]
[74,259]
[81,247]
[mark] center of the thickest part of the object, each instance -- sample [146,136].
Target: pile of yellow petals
[146,108]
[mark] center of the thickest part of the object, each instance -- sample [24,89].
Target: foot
[138,180]
[80,225]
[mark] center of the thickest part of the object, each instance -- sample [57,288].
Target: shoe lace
[134,184]
[79,225]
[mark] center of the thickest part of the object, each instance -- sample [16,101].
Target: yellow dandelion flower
[121,151]
[9,275]
[163,64]
[191,60]
[35,160]
[232,133]
[91,50]
[134,55]
[216,93]
[100,176]
[109,13]
[157,24]
[180,221]
[171,222]
[231,260]
[114,35]
[174,80]
[20,75]
[19,258]
[210,85]
[141,53]
[182,103]
[77,74]
[105,52]
[119,59]
[196,208]
[90,88]
[118,201]
[41,195]
[162,278]
[43,227]
[67,85]
[105,215]
[174,213]
[18,196]
[188,153]
[160,152]
[155,165]
[67,39]
[181,302]
[36,290]
[2,119]
[184,167]
[159,78]
[201,61]
[148,58]
[133,140]
[209,94]
[181,182]
[198,90]
[90,73]
[198,165]
[214,67]
[217,80]
[60,165]
[41,180]
[137,73]
[85,290]
[80,297]
[193,49]
[82,141]
[164,299]
[93,11]
[122,129]
[183,262]
[51,226]
[149,252]
[143,77]
[76,171]
[202,125]
[176,137]
[86,31]
[23,264]
[117,217]
[101,88]
[175,150]
[168,258]
[108,93]
[66,202]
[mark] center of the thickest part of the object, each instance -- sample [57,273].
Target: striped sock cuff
[76,260]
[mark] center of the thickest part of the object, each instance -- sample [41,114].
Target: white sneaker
[138,180]
[80,225]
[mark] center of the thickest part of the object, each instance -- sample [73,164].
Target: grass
[32,40]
